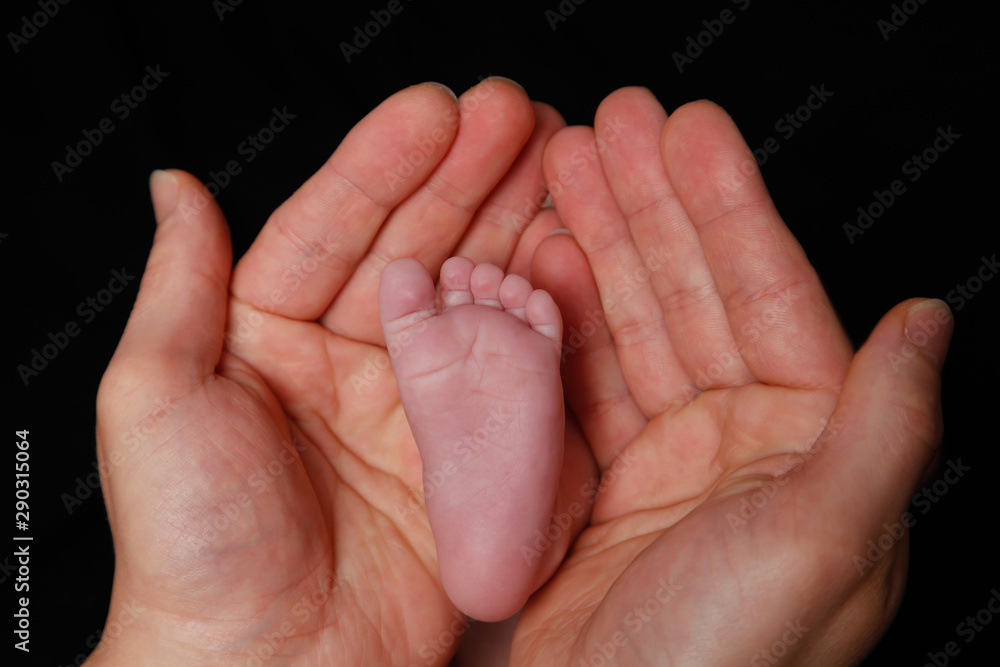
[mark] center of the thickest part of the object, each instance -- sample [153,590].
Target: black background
[64,237]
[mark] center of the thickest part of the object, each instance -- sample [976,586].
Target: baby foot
[479,382]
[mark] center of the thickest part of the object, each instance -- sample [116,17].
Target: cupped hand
[262,486]
[750,458]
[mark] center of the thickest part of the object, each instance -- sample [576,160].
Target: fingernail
[163,190]
[442,87]
[561,230]
[503,78]
[928,327]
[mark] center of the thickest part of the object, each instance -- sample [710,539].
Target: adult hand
[749,455]
[261,482]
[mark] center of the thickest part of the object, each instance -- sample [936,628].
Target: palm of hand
[724,507]
[303,411]
[277,504]
[681,552]
[271,512]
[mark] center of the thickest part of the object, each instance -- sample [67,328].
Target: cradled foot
[478,377]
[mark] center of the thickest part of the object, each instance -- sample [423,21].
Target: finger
[882,435]
[592,378]
[175,330]
[496,121]
[835,516]
[587,206]
[320,234]
[573,503]
[504,216]
[783,323]
[693,312]
[545,222]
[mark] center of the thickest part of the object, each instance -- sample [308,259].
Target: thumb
[886,428]
[173,339]
[176,325]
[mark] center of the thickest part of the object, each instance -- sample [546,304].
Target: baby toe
[456,273]
[543,316]
[514,293]
[485,281]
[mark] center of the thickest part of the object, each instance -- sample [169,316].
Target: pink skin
[479,381]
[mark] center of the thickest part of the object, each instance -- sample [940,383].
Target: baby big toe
[405,294]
